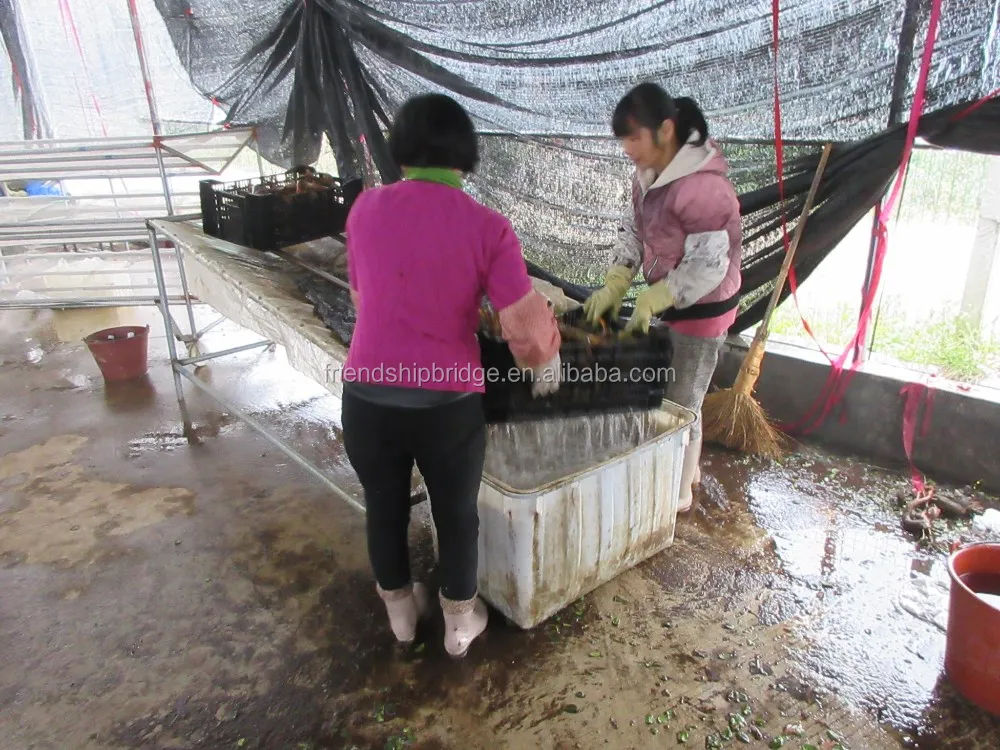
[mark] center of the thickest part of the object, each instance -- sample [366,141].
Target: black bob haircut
[433,130]
[648,105]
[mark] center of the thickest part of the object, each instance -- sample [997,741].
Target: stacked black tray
[598,376]
[615,375]
[273,212]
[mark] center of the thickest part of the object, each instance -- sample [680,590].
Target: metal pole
[163,175]
[210,326]
[878,305]
[154,116]
[260,160]
[225,353]
[53,303]
[187,296]
[147,82]
[276,442]
[168,324]
[904,58]
[116,255]
[862,348]
[179,369]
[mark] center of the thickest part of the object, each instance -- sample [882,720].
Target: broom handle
[750,368]
[779,283]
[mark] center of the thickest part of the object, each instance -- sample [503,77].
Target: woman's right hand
[601,302]
[609,297]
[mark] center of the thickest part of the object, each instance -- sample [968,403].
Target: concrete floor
[159,594]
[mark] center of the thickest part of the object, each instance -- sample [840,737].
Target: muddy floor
[157,592]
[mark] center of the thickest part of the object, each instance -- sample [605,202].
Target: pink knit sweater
[421,256]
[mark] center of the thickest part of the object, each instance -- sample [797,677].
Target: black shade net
[541,77]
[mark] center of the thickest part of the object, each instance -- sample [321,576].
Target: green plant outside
[948,342]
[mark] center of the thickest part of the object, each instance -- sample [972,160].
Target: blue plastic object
[37,187]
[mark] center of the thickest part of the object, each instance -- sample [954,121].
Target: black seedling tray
[616,376]
[242,213]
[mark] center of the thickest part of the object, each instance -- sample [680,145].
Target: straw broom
[732,417]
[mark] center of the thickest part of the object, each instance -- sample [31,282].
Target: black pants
[448,443]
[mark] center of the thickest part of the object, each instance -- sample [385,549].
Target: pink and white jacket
[685,225]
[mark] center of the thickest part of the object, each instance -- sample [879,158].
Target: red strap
[67,18]
[976,105]
[839,379]
[915,394]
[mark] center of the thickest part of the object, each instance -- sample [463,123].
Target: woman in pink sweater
[683,231]
[421,256]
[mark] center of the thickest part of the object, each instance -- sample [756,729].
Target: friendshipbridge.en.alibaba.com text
[420,375]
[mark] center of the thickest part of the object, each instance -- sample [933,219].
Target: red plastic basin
[972,651]
[120,353]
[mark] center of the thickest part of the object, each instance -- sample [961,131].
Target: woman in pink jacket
[683,232]
[421,256]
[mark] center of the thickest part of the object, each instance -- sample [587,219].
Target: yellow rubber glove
[609,297]
[651,301]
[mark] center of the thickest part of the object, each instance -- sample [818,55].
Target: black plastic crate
[254,214]
[615,376]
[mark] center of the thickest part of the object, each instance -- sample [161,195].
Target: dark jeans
[448,443]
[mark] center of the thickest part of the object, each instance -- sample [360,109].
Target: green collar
[434,174]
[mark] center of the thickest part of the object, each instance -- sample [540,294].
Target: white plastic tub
[550,535]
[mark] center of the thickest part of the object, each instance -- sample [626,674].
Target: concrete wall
[961,443]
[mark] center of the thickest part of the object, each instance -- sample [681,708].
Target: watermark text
[424,375]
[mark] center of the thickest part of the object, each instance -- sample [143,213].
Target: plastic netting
[540,78]
[558,67]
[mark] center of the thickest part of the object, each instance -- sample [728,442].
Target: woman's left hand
[546,377]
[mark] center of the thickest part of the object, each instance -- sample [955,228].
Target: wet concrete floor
[160,594]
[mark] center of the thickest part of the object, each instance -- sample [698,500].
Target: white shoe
[464,621]
[405,607]
[690,475]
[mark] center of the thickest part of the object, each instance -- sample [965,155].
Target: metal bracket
[186,368]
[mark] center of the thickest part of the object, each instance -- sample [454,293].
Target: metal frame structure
[17,272]
[113,217]
[122,158]
[184,368]
[104,218]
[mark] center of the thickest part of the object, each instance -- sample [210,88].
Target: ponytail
[690,119]
[647,106]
